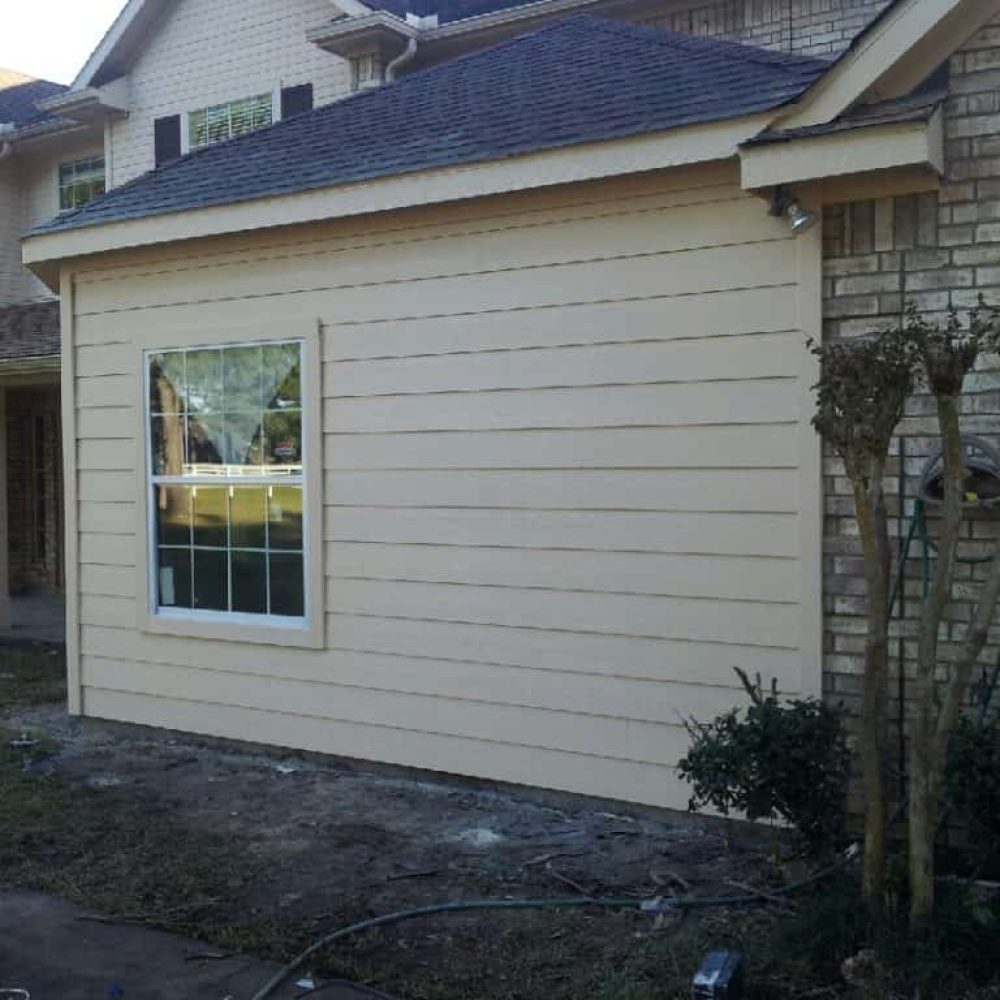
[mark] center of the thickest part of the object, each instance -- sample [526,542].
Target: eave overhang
[903,46]
[91,104]
[379,32]
[679,147]
[912,146]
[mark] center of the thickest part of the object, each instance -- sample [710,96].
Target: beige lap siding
[568,482]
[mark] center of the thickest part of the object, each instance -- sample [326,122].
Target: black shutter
[167,132]
[296,100]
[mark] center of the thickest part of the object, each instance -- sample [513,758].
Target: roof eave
[912,146]
[685,146]
[898,50]
[376,31]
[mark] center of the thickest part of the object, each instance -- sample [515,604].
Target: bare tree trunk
[926,770]
[869,503]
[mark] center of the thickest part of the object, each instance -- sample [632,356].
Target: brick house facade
[806,27]
[936,251]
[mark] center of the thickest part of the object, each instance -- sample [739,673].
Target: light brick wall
[807,27]
[935,250]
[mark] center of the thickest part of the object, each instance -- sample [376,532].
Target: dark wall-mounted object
[981,460]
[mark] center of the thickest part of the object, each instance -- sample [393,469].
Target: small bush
[973,778]
[774,761]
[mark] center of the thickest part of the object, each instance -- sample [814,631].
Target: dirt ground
[263,851]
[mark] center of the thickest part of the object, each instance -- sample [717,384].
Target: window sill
[297,633]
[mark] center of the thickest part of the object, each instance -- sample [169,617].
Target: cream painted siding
[29,195]
[568,481]
[211,51]
[10,234]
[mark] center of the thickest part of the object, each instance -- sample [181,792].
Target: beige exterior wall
[568,480]
[10,234]
[38,182]
[210,51]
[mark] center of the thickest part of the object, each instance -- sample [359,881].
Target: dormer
[374,44]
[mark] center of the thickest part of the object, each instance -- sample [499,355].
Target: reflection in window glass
[225,429]
[224,121]
[80,181]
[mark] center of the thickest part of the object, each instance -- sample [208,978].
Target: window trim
[62,164]
[186,146]
[308,631]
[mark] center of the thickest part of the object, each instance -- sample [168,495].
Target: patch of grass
[31,674]
[99,849]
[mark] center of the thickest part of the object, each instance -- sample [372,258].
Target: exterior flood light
[800,219]
[783,202]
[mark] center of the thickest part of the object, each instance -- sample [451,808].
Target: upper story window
[225,121]
[366,71]
[226,482]
[80,181]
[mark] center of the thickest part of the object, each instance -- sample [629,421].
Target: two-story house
[435,386]
[171,77]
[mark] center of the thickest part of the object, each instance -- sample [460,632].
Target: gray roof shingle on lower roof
[29,330]
[19,96]
[580,80]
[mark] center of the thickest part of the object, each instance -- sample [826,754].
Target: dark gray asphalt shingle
[580,80]
[19,96]
[446,10]
[911,108]
[29,330]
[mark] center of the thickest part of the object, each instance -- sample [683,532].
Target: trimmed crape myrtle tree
[863,386]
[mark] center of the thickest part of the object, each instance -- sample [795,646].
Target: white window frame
[366,61]
[306,631]
[75,163]
[186,146]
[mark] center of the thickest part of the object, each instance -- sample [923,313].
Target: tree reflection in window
[226,463]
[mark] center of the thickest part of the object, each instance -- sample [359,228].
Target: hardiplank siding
[567,481]
[212,51]
[11,274]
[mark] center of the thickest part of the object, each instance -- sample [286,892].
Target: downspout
[401,60]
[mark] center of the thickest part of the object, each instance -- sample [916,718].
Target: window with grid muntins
[225,121]
[226,481]
[80,181]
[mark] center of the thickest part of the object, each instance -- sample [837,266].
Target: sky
[52,39]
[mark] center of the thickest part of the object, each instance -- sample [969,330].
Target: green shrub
[973,778]
[774,760]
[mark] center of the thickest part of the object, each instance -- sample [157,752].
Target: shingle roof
[19,95]
[30,330]
[581,80]
[446,10]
